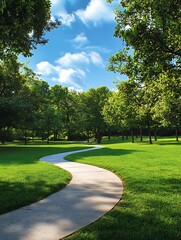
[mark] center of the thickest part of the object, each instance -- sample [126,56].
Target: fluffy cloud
[95,12]
[82,58]
[65,18]
[58,9]
[80,40]
[45,68]
[69,75]
[71,60]
[71,69]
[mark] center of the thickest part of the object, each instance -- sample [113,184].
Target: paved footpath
[90,194]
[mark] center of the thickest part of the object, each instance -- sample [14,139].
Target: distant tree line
[29,107]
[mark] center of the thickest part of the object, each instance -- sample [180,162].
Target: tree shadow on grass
[175,143]
[103,152]
[29,154]
[15,194]
[156,218]
[129,226]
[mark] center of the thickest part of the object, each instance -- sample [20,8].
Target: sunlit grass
[24,179]
[151,205]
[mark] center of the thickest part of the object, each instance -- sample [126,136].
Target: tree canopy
[152,33]
[23,25]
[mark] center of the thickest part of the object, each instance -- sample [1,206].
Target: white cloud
[45,68]
[69,75]
[95,12]
[71,60]
[82,58]
[66,18]
[59,11]
[80,40]
[71,69]
[54,2]
[96,58]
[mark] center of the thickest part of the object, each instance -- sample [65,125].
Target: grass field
[150,208]
[151,205]
[24,179]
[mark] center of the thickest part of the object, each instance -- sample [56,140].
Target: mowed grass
[150,208]
[24,179]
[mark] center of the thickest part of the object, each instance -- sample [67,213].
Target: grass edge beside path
[151,204]
[24,179]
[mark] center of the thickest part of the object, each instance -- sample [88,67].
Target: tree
[148,97]
[22,93]
[121,108]
[65,102]
[11,83]
[93,102]
[168,109]
[151,29]
[23,25]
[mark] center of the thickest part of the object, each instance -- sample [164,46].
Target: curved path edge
[91,193]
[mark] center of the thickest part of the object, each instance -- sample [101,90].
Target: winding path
[90,194]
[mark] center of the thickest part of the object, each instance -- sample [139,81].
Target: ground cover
[151,204]
[24,179]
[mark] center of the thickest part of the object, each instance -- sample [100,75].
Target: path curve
[90,194]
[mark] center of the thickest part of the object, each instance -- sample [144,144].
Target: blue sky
[77,53]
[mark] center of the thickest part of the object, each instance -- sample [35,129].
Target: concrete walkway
[91,193]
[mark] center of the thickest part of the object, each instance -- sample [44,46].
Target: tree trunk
[149,135]
[55,135]
[3,135]
[48,137]
[132,136]
[149,130]
[25,138]
[141,135]
[176,132]
[109,135]
[42,136]
[155,134]
[98,136]
[88,136]
[122,136]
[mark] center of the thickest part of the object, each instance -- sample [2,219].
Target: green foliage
[65,104]
[23,25]
[92,104]
[168,108]
[151,29]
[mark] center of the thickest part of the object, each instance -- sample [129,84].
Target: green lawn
[24,179]
[151,205]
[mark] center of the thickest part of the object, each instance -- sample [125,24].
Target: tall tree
[94,101]
[11,82]
[122,107]
[23,25]
[151,29]
[65,102]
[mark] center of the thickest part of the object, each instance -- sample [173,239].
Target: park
[149,207]
[98,163]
